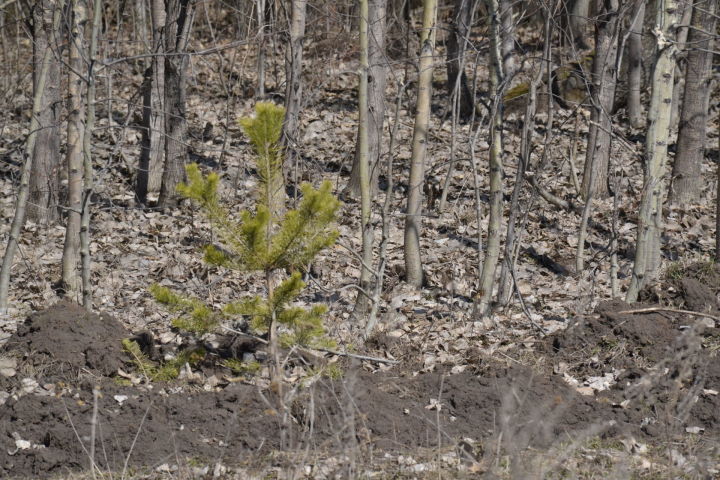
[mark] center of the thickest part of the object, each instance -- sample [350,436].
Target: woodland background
[504,166]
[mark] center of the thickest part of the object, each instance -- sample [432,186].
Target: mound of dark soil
[142,428]
[420,411]
[693,287]
[669,370]
[49,431]
[63,340]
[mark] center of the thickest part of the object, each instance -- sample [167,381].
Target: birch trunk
[362,303]
[74,154]
[492,251]
[647,248]
[87,158]
[413,219]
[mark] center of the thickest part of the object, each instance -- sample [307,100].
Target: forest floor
[565,384]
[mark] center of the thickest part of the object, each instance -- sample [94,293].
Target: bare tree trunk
[413,219]
[179,16]
[87,158]
[74,154]
[508,40]
[647,249]
[635,66]
[152,150]
[362,303]
[377,80]
[687,176]
[492,251]
[685,14]
[604,77]
[457,82]
[578,12]
[294,77]
[261,39]
[24,189]
[44,181]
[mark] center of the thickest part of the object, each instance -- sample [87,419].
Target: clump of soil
[66,338]
[48,430]
[668,371]
[424,410]
[692,287]
[144,428]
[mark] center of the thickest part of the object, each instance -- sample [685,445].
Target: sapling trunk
[413,219]
[505,286]
[87,159]
[74,155]
[647,248]
[492,252]
[261,40]
[366,231]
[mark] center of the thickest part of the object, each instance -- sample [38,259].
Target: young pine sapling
[266,241]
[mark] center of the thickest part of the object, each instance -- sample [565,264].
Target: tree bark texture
[179,16]
[508,40]
[362,303]
[87,158]
[44,181]
[74,153]
[687,170]
[456,43]
[152,146]
[492,251]
[24,188]
[635,66]
[413,218]
[293,75]
[604,79]
[578,12]
[261,39]
[377,81]
[647,248]
[685,9]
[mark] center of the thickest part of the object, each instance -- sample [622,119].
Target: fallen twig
[359,357]
[672,310]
